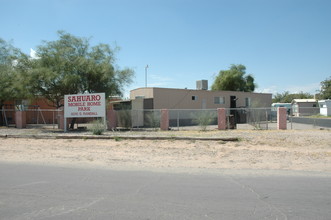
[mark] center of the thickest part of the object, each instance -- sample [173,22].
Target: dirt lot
[300,150]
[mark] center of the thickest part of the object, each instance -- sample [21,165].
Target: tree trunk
[1,115]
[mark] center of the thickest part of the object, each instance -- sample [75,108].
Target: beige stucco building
[167,98]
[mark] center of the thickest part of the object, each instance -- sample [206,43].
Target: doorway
[233,102]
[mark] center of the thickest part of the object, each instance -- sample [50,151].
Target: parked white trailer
[325,107]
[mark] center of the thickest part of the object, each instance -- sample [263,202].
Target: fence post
[267,119]
[221,118]
[178,120]
[164,124]
[111,119]
[20,119]
[281,118]
[60,119]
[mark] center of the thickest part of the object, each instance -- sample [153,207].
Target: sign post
[84,106]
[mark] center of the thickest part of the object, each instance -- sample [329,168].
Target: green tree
[287,97]
[10,87]
[326,89]
[7,71]
[70,65]
[234,79]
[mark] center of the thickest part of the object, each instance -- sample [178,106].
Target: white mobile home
[304,107]
[325,107]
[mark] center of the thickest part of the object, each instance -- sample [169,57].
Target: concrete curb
[94,137]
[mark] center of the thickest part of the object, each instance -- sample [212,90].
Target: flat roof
[304,100]
[198,90]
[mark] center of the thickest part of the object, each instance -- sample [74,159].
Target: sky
[284,44]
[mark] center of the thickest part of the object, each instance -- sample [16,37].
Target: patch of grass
[117,138]
[319,116]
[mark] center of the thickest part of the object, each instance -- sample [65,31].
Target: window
[219,100]
[194,97]
[295,108]
[247,102]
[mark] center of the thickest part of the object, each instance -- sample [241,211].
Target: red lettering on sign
[84,108]
[84,98]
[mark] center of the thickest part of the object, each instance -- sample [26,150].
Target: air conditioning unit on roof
[202,84]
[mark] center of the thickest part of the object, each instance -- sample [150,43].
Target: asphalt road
[42,192]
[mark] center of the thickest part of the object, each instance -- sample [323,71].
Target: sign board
[84,105]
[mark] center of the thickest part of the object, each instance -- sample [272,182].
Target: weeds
[117,138]
[97,127]
[203,119]
[153,120]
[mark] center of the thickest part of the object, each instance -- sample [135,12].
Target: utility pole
[146,75]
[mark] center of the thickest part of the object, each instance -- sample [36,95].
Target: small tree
[10,86]
[203,119]
[326,89]
[70,65]
[153,119]
[234,79]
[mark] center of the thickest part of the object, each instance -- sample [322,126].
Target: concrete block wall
[281,118]
[221,118]
[20,119]
[111,119]
[164,122]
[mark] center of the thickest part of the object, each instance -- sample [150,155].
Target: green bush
[203,119]
[98,127]
[152,120]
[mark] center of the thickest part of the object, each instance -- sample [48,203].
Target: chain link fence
[34,116]
[182,119]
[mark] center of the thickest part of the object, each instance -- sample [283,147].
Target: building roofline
[199,90]
[303,101]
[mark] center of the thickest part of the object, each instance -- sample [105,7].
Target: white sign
[85,105]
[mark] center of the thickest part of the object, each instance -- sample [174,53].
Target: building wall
[325,107]
[38,111]
[142,92]
[165,98]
